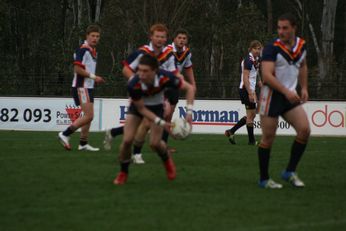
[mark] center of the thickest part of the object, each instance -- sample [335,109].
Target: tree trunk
[327,44]
[97,10]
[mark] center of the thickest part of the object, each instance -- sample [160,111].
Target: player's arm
[139,104]
[127,72]
[190,97]
[246,79]
[191,77]
[268,68]
[82,72]
[303,81]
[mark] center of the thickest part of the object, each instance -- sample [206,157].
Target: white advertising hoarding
[41,114]
[209,116]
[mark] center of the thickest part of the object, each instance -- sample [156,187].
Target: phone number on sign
[28,115]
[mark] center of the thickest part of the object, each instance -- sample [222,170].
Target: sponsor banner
[209,116]
[215,116]
[41,114]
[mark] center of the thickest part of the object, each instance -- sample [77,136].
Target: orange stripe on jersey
[283,47]
[299,48]
[78,63]
[92,50]
[163,80]
[163,55]
[146,50]
[288,52]
[182,56]
[137,86]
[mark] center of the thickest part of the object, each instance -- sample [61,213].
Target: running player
[247,92]
[283,67]
[182,55]
[146,93]
[84,79]
[156,48]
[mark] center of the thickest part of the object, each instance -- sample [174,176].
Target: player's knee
[304,132]
[89,116]
[127,142]
[155,145]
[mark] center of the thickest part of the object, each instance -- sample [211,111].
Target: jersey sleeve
[174,81]
[79,57]
[188,63]
[133,60]
[269,53]
[171,65]
[248,63]
[134,89]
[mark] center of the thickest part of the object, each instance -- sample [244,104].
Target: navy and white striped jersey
[86,57]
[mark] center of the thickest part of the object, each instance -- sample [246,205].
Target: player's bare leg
[269,126]
[250,116]
[139,141]
[88,111]
[160,147]
[299,121]
[169,111]
[131,125]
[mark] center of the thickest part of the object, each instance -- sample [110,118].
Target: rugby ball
[181,129]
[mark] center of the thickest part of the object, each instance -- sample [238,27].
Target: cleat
[293,178]
[171,149]
[230,136]
[269,184]
[170,169]
[121,178]
[64,140]
[87,147]
[255,143]
[138,159]
[107,143]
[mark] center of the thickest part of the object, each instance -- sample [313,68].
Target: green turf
[43,187]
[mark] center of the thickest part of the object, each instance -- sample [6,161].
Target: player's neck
[290,43]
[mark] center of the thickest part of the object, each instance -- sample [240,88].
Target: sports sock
[117,131]
[83,141]
[71,129]
[240,124]
[124,166]
[297,150]
[165,136]
[250,134]
[263,157]
[164,156]
[137,149]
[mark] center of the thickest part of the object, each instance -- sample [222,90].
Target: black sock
[240,124]
[250,134]
[137,149]
[71,129]
[117,131]
[124,166]
[164,156]
[165,135]
[263,157]
[297,151]
[83,141]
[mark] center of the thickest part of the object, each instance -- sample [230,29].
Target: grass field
[43,187]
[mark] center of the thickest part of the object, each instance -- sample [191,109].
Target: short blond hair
[254,44]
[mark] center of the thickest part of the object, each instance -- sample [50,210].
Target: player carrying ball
[146,90]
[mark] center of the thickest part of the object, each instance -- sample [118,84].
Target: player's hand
[304,95]
[292,96]
[99,80]
[188,118]
[168,127]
